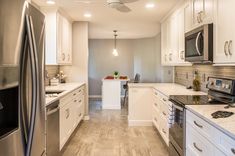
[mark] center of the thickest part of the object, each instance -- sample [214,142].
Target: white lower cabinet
[203,139]
[72,110]
[161,110]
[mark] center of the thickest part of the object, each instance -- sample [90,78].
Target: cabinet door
[187,17]
[225,33]
[181,28]
[197,9]
[173,51]
[164,41]
[66,123]
[60,53]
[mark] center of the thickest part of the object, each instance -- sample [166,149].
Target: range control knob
[211,83]
[227,86]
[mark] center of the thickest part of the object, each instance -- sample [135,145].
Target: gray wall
[135,56]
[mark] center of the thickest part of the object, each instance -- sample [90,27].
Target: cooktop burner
[194,100]
[221,114]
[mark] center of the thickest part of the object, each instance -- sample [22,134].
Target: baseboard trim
[140,123]
[95,96]
[86,117]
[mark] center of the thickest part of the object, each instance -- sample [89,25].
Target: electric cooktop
[194,100]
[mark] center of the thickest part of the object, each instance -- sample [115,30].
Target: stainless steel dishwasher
[53,132]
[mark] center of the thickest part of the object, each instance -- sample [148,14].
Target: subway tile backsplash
[52,70]
[184,75]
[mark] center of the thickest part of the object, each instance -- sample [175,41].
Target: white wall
[78,72]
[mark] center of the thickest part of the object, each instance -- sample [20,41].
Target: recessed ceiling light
[87,15]
[50,2]
[150,5]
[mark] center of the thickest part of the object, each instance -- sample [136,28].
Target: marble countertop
[168,88]
[65,87]
[224,124]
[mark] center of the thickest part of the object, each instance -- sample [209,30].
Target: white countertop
[65,87]
[168,88]
[224,124]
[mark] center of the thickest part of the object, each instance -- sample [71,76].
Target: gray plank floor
[107,134]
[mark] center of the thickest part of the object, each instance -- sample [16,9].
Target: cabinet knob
[195,145]
[229,47]
[233,150]
[63,56]
[225,48]
[200,126]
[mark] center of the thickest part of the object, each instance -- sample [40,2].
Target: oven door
[176,131]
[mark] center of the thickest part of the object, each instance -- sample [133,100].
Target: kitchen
[117,77]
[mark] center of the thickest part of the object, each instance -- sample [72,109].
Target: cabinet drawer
[197,144]
[164,130]
[201,126]
[156,120]
[226,144]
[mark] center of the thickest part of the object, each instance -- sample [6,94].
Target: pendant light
[115,52]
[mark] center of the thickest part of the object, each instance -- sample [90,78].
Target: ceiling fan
[116,4]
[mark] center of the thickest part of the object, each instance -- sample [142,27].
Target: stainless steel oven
[199,44]
[177,131]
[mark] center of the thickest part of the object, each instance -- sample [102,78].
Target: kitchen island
[111,93]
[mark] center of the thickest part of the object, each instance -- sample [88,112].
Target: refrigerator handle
[23,106]
[34,84]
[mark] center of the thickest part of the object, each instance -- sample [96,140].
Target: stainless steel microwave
[199,45]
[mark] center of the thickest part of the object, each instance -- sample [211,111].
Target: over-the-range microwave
[199,44]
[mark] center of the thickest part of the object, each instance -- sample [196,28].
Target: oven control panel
[221,84]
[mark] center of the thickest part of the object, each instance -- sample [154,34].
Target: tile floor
[107,134]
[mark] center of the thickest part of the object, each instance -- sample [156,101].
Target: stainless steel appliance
[199,45]
[221,91]
[22,112]
[53,130]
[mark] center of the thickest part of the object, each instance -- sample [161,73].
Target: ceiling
[139,23]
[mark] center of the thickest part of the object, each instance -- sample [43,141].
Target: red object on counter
[123,77]
[109,77]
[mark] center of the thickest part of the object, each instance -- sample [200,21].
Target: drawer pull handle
[80,101]
[75,100]
[164,99]
[164,113]
[156,93]
[195,145]
[200,126]
[155,104]
[233,150]
[74,94]
[163,131]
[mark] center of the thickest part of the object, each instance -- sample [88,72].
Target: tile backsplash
[52,70]
[184,75]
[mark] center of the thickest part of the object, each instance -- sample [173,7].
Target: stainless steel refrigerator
[22,111]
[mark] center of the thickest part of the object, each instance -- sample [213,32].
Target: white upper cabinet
[164,42]
[173,29]
[224,49]
[202,12]
[187,17]
[58,38]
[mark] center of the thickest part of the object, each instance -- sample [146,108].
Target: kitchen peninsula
[111,92]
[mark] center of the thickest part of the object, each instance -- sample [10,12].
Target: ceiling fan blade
[123,8]
[128,1]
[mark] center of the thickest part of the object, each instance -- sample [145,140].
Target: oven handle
[197,43]
[178,107]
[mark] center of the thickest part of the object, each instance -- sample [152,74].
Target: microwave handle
[199,53]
